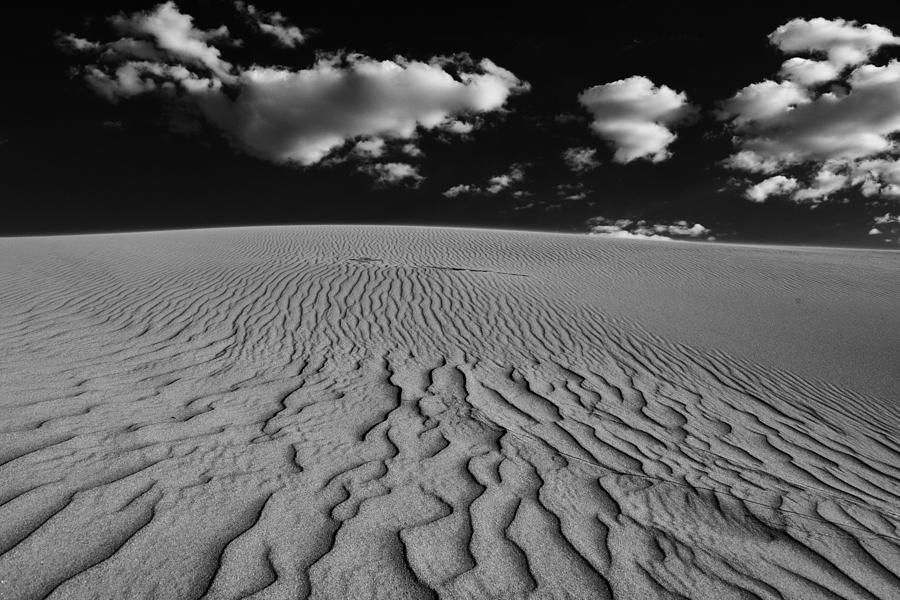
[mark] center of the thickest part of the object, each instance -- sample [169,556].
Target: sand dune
[368,412]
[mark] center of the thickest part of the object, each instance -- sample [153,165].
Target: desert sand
[389,412]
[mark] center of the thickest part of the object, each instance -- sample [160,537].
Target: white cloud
[140,77]
[762,101]
[635,116]
[747,160]
[621,233]
[796,127]
[844,43]
[273,24]
[458,127]
[886,225]
[808,72]
[498,183]
[456,190]
[301,116]
[495,184]
[394,172]
[682,228]
[877,177]
[174,33]
[847,132]
[627,228]
[777,185]
[369,147]
[580,159]
[826,182]
[133,49]
[410,149]
[77,43]
[571,191]
[291,115]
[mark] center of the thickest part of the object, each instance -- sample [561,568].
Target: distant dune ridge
[389,412]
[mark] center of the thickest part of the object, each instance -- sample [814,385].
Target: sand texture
[379,412]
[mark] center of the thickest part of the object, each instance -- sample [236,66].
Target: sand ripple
[348,412]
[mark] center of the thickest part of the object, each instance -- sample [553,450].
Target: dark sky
[74,161]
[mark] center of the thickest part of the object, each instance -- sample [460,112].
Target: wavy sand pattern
[362,412]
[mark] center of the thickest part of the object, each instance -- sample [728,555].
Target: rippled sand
[388,412]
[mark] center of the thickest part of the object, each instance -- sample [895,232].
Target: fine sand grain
[387,412]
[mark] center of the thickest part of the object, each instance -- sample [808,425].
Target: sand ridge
[356,412]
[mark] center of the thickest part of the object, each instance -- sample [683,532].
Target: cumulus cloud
[777,185]
[628,228]
[808,73]
[393,173]
[843,43]
[76,43]
[370,148]
[826,182]
[174,33]
[760,102]
[571,191]
[494,185]
[410,149]
[878,177]
[747,160]
[289,115]
[273,24]
[886,225]
[457,190]
[580,159]
[498,183]
[458,127]
[636,116]
[846,131]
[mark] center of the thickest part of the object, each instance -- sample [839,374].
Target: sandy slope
[349,412]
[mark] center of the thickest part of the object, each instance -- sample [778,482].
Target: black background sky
[73,162]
